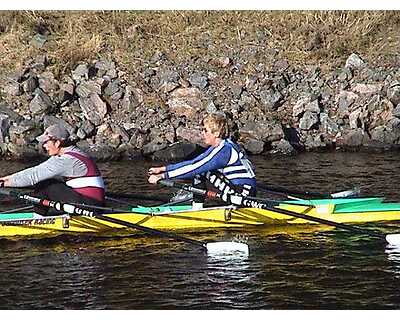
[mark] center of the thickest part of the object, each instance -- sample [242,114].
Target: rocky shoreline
[273,109]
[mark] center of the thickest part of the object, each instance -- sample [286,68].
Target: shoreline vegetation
[130,84]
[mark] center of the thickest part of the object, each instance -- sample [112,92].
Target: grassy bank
[131,38]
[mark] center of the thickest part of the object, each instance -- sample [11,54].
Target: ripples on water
[308,267]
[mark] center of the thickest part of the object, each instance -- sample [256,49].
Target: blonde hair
[218,124]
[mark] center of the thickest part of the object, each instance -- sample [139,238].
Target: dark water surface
[307,267]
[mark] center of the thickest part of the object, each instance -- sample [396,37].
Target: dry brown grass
[324,38]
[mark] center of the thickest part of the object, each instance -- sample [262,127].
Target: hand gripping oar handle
[208,193]
[253,203]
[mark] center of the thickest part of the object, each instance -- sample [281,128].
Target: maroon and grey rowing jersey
[91,185]
[74,167]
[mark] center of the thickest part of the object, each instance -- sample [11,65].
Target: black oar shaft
[240,200]
[121,201]
[292,191]
[75,210]
[103,209]
[156,232]
[327,222]
[245,201]
[17,210]
[137,196]
[207,193]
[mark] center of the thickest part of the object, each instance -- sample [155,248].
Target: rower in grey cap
[69,175]
[55,131]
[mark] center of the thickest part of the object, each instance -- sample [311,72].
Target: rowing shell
[356,210]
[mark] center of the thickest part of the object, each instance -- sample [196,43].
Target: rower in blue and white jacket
[226,158]
[224,164]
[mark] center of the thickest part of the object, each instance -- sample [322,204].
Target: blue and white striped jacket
[226,158]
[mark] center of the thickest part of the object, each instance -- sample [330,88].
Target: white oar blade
[393,239]
[346,194]
[217,248]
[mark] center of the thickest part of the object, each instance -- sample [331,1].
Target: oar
[121,201]
[17,210]
[238,200]
[137,196]
[165,204]
[105,210]
[209,247]
[133,205]
[288,192]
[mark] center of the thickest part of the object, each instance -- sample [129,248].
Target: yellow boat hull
[219,217]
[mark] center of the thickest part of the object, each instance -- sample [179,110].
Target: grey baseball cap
[55,131]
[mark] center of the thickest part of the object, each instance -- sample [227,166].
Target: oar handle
[167,183]
[6,192]
[59,206]
[215,195]
[186,187]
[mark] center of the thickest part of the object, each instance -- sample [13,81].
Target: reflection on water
[289,267]
[393,255]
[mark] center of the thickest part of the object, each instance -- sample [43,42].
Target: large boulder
[393,93]
[282,146]
[254,146]
[262,131]
[41,103]
[354,62]
[185,102]
[182,150]
[94,108]
[309,120]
